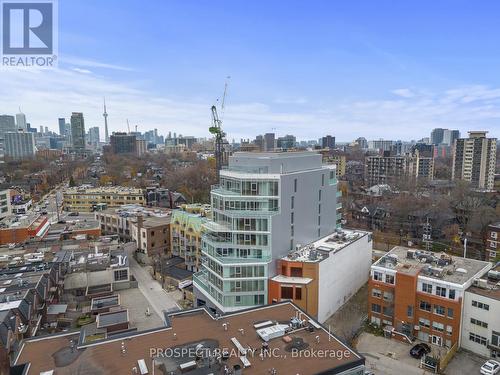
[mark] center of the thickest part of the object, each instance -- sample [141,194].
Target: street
[157,297]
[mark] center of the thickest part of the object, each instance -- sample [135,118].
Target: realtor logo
[29,33]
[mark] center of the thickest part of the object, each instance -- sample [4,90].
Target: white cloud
[49,94]
[404,93]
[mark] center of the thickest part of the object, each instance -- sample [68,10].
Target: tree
[71,182]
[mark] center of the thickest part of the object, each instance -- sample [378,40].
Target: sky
[373,69]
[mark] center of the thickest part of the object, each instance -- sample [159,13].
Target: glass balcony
[201,280]
[339,206]
[339,194]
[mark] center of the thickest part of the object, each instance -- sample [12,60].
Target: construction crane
[128,126]
[216,130]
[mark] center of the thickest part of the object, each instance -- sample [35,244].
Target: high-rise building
[19,145]
[77,131]
[474,160]
[287,142]
[123,143]
[7,124]
[450,136]
[444,136]
[380,145]
[269,140]
[94,136]
[328,142]
[361,142]
[21,121]
[265,206]
[62,126]
[437,136]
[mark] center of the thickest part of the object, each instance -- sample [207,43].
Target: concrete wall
[492,317]
[306,211]
[342,274]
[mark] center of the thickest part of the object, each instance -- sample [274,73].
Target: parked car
[419,350]
[73,214]
[490,367]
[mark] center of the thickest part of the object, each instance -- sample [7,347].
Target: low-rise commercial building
[481,315]
[493,241]
[87,199]
[249,342]
[149,228]
[185,236]
[414,293]
[322,276]
[18,229]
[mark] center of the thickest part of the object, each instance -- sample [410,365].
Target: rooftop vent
[461,270]
[494,275]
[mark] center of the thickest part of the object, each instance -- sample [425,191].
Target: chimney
[140,221]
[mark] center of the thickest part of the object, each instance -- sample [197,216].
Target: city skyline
[377,74]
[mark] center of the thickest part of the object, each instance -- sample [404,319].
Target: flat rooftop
[187,329]
[440,266]
[103,189]
[488,285]
[325,246]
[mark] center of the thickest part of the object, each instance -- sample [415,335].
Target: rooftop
[488,285]
[102,189]
[326,246]
[440,266]
[235,333]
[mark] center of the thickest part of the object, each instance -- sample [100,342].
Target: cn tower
[105,114]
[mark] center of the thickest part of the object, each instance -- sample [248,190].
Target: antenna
[128,126]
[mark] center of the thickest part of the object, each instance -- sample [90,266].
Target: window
[481,305]
[237,300]
[451,294]
[424,322]
[121,275]
[323,179]
[449,330]
[376,308]
[388,296]
[298,293]
[286,292]
[291,218]
[291,230]
[319,195]
[479,323]
[450,312]
[377,276]
[292,203]
[319,208]
[409,311]
[495,339]
[389,279]
[427,288]
[438,326]
[295,185]
[439,310]
[477,339]
[387,311]
[426,306]
[377,293]
[440,291]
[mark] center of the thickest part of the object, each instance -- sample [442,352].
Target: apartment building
[89,199]
[265,205]
[493,242]
[481,315]
[185,237]
[148,228]
[413,293]
[320,277]
[474,160]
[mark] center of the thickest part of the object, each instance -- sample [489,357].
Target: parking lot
[464,362]
[388,357]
